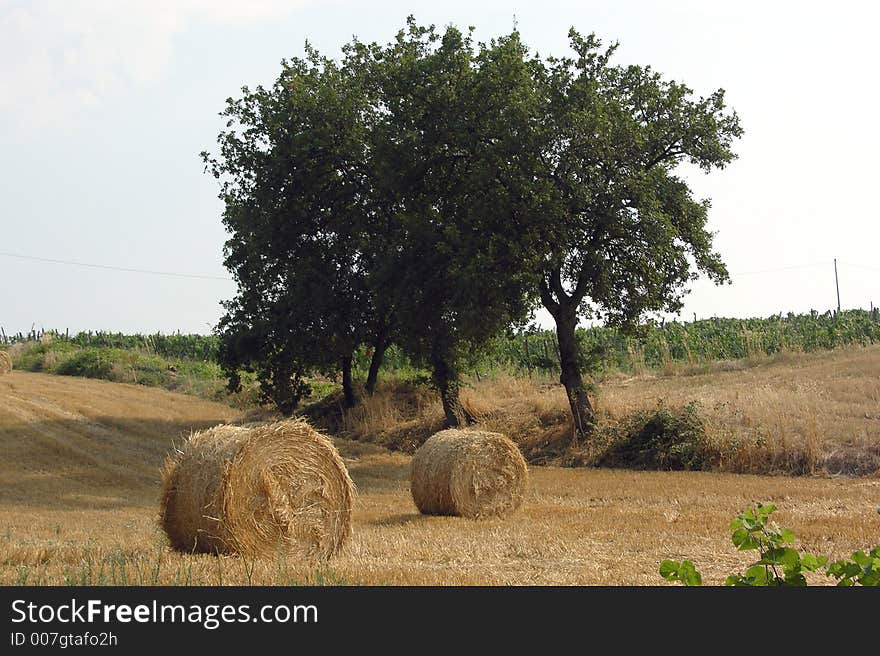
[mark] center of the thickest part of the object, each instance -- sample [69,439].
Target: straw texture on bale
[5,363]
[270,489]
[473,474]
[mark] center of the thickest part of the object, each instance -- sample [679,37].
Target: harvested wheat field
[81,483]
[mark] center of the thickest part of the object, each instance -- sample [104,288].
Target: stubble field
[80,474]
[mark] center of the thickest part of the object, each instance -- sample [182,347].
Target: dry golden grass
[78,443]
[793,413]
[577,526]
[81,484]
[5,363]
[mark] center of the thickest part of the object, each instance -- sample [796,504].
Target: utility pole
[836,284]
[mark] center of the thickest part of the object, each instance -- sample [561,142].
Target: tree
[622,230]
[367,204]
[459,258]
[294,172]
[430,191]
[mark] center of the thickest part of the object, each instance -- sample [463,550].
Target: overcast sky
[105,105]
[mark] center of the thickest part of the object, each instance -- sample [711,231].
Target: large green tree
[625,232]
[295,180]
[459,262]
[368,201]
[431,191]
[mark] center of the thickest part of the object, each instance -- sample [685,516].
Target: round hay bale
[5,363]
[279,487]
[473,474]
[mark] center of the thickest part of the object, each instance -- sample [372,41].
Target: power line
[786,268]
[206,277]
[116,268]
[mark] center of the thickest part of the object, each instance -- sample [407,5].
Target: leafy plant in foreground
[779,565]
[863,569]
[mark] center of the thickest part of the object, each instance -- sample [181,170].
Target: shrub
[668,439]
[89,363]
[40,356]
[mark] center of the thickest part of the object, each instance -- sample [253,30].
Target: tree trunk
[446,380]
[349,398]
[379,348]
[581,410]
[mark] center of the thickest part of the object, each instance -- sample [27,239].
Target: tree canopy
[433,191]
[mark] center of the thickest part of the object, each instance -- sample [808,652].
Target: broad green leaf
[689,574]
[669,570]
[743,540]
[795,579]
[772,556]
[751,524]
[757,574]
[862,559]
[871,580]
[835,568]
[790,558]
[811,562]
[787,535]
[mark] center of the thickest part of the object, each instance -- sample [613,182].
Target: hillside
[792,413]
[80,442]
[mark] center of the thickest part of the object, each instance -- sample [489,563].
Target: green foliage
[133,365]
[778,564]
[40,356]
[665,439]
[622,232]
[623,224]
[682,572]
[366,204]
[427,192]
[293,174]
[190,347]
[453,109]
[89,363]
[654,345]
[862,568]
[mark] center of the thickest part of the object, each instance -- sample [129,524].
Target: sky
[106,104]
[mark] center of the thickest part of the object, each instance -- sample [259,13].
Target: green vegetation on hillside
[655,345]
[188,363]
[134,365]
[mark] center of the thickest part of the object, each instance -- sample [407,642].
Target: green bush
[199,377]
[666,439]
[88,363]
[40,356]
